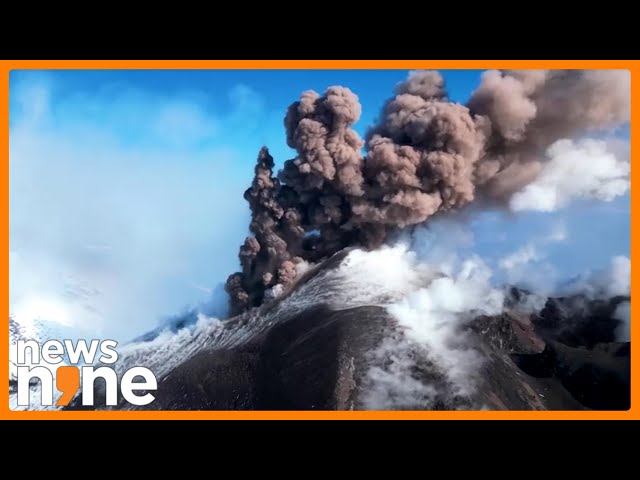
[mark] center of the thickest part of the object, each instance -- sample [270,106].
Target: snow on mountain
[40,331]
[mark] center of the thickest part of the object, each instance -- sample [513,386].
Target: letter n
[25,374]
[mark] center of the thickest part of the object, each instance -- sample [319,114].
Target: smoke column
[266,256]
[425,156]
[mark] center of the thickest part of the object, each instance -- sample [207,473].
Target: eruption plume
[425,156]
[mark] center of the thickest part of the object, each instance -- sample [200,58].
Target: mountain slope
[378,330]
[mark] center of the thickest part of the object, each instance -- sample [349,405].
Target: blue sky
[126,189]
[266,96]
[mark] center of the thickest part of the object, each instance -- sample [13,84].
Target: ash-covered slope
[379,330]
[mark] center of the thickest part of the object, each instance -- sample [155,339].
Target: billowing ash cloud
[421,155]
[424,157]
[530,109]
[267,256]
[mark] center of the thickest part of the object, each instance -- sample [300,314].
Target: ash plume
[425,156]
[529,110]
[266,257]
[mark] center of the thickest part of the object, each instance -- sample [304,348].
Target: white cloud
[584,169]
[618,277]
[522,256]
[623,313]
[532,251]
[119,191]
[527,267]
[609,282]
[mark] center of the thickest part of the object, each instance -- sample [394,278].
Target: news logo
[69,378]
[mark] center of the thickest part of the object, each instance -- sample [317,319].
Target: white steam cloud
[618,277]
[610,282]
[527,266]
[115,201]
[623,313]
[583,169]
[520,257]
[432,315]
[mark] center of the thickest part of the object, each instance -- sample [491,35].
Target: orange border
[6,66]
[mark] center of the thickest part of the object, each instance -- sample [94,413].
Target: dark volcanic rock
[319,360]
[508,332]
[297,353]
[504,385]
[314,361]
[599,378]
[579,321]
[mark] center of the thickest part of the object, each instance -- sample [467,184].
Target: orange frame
[7,65]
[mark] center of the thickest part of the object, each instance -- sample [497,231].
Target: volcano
[334,309]
[338,340]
